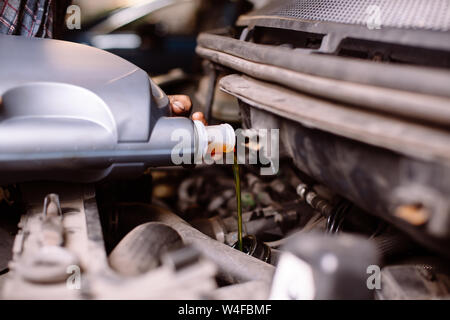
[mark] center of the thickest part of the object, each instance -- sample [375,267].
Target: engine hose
[234,266]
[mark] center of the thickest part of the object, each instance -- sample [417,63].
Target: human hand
[182,104]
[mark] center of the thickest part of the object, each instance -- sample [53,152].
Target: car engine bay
[338,189]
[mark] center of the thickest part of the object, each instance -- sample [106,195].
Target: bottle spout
[214,139]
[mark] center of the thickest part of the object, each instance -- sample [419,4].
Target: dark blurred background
[159,36]
[156,35]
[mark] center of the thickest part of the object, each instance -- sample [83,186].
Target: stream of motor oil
[237,183]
